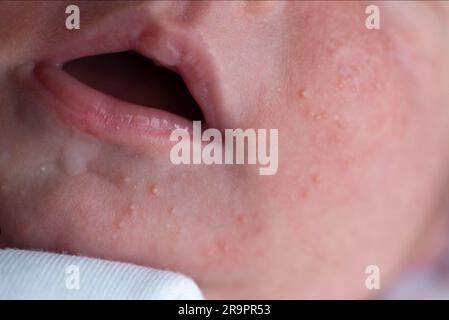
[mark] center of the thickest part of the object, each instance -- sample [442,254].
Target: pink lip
[106,117]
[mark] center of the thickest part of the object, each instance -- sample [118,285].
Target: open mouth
[133,78]
[131,87]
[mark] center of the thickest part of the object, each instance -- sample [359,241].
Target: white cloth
[420,285]
[38,275]
[425,282]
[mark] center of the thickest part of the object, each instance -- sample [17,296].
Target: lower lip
[103,116]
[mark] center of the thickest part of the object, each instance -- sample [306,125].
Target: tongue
[131,77]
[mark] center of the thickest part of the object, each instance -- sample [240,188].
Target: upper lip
[181,50]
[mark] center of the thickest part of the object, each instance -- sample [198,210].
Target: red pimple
[222,246]
[241,219]
[304,194]
[153,191]
[316,178]
[302,93]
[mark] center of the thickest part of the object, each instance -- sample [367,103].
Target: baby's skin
[363,123]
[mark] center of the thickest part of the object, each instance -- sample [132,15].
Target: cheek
[115,205]
[348,139]
[347,105]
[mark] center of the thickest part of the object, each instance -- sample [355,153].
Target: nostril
[134,78]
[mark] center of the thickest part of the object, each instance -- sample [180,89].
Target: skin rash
[363,159]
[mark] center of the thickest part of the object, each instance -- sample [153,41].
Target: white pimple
[320,116]
[46,168]
[339,122]
[132,209]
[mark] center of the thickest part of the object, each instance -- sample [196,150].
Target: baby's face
[362,136]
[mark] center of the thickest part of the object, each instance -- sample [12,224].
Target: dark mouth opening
[134,78]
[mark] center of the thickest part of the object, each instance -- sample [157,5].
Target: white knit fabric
[420,285]
[41,275]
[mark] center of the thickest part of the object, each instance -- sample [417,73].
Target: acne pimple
[320,116]
[121,224]
[153,190]
[126,180]
[167,225]
[339,122]
[132,209]
[222,246]
[316,178]
[242,219]
[307,113]
[342,82]
[302,93]
[304,194]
